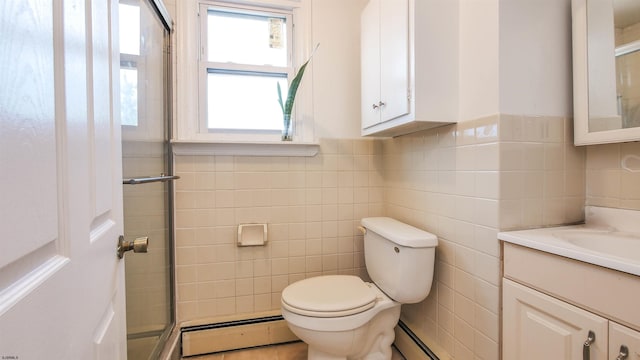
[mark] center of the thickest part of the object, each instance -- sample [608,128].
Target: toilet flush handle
[363,230]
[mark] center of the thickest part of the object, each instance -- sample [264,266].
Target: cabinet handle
[586,348]
[624,353]
[379,105]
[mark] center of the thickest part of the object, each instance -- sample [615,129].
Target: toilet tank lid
[399,232]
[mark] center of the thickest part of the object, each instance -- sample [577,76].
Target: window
[245,52]
[246,47]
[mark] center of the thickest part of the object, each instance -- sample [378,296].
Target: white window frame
[191,126]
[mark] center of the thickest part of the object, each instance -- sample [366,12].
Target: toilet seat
[329,296]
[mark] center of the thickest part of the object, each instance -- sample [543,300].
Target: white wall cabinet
[409,58]
[385,61]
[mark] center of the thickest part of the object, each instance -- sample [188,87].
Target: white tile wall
[462,182]
[542,174]
[466,182]
[312,205]
[445,181]
[608,183]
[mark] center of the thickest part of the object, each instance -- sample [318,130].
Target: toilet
[343,317]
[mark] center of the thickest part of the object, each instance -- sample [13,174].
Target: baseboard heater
[240,334]
[410,344]
[236,334]
[232,323]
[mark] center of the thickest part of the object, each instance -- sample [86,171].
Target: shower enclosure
[147,167]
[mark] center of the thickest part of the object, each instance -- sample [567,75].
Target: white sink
[620,244]
[610,238]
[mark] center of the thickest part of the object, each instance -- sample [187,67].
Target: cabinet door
[537,326]
[370,63]
[621,335]
[394,58]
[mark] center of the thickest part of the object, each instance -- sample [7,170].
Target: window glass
[246,38]
[244,101]
[247,56]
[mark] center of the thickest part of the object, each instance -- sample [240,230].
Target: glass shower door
[146,158]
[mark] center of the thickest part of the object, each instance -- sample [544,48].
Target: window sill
[190,147]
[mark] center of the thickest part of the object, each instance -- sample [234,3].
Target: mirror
[606,60]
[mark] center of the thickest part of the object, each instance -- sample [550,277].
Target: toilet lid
[329,296]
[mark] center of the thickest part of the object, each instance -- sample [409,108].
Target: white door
[537,326]
[61,283]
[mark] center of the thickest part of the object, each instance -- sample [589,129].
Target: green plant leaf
[293,88]
[280,98]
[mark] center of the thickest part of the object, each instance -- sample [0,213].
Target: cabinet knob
[378,105]
[624,353]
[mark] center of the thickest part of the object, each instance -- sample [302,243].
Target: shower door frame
[166,20]
[163,15]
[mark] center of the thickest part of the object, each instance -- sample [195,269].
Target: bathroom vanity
[572,292]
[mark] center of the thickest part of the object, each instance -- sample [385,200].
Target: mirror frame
[582,136]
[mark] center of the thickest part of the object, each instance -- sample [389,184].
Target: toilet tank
[399,258]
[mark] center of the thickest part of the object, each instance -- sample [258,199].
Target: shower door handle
[149,179]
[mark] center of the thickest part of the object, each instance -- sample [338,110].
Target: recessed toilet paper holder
[252,234]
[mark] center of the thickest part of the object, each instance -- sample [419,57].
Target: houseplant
[287,106]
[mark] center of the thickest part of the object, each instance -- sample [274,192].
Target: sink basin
[620,244]
[609,238]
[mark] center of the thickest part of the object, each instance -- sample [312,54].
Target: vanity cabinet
[623,340]
[538,326]
[552,303]
[409,78]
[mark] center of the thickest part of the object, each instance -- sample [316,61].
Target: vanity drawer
[609,293]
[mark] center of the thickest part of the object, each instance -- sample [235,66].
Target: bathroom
[508,163]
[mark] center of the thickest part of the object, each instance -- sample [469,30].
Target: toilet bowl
[343,317]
